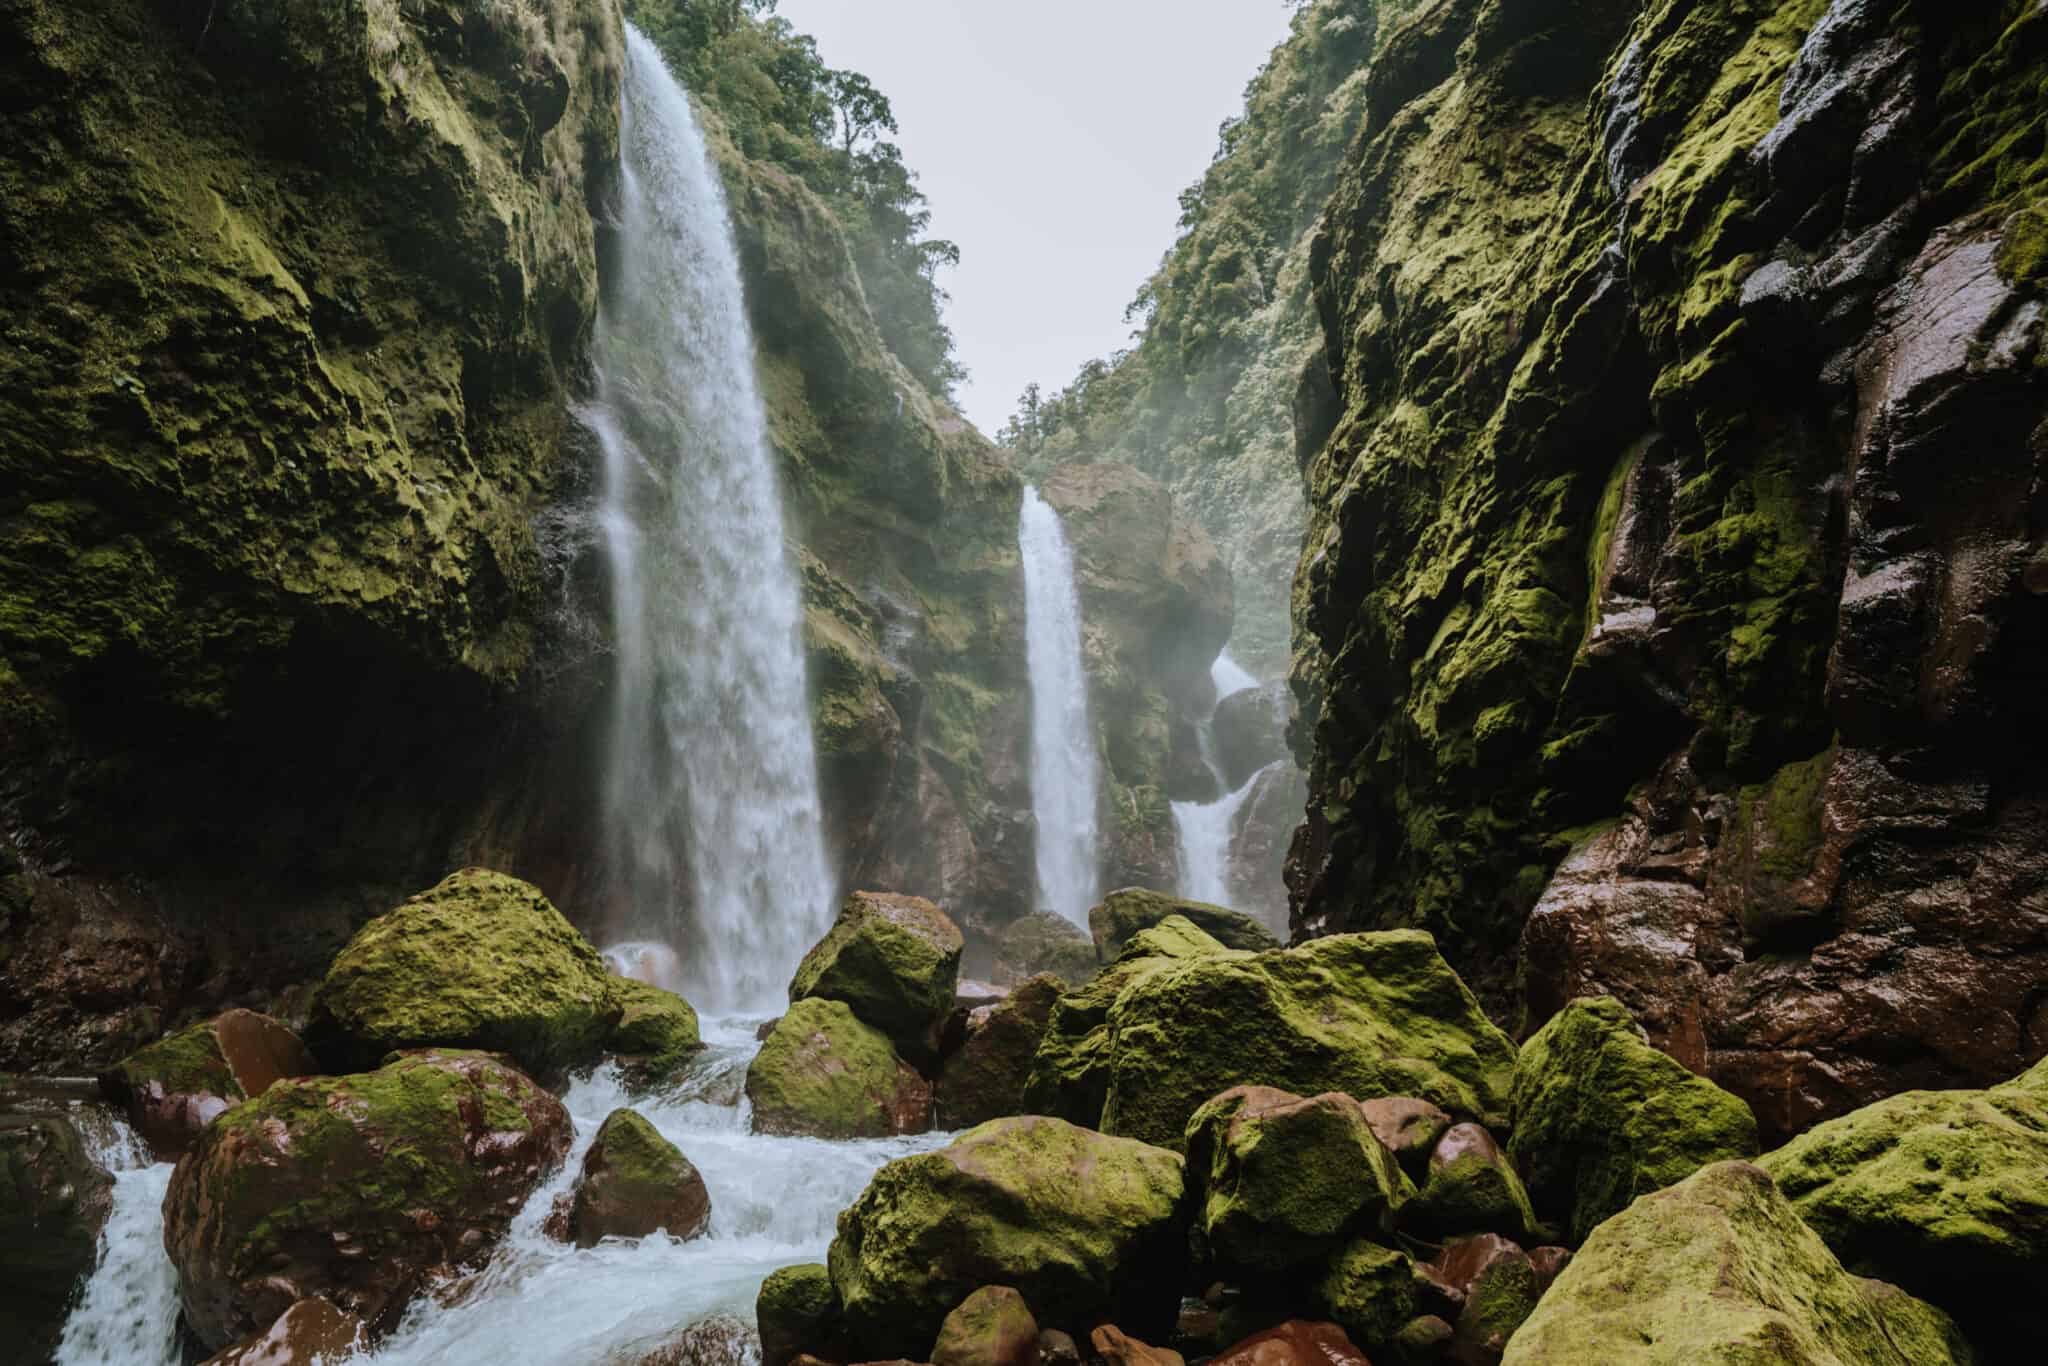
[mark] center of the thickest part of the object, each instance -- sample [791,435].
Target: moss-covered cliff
[1676,506]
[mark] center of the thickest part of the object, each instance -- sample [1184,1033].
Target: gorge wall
[1669,622]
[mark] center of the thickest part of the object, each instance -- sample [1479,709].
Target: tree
[863,110]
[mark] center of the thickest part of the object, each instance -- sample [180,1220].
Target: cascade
[1064,779]
[127,1314]
[711,803]
[1205,829]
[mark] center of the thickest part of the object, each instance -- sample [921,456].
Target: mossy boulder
[173,1088]
[1045,942]
[895,960]
[1471,1187]
[1943,1192]
[992,1327]
[1499,1286]
[355,1187]
[657,1033]
[1124,913]
[1369,1290]
[1601,1117]
[1280,1181]
[636,1183]
[985,1078]
[1719,1270]
[480,961]
[798,1314]
[1366,1014]
[310,1333]
[824,1073]
[54,1201]
[1082,1225]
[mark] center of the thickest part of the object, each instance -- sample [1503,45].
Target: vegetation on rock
[894,960]
[822,1072]
[636,1183]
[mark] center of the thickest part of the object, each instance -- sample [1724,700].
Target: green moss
[1070,1073]
[797,1313]
[1790,808]
[2023,255]
[1600,547]
[895,960]
[1473,1194]
[655,1025]
[188,1062]
[1369,1291]
[823,1073]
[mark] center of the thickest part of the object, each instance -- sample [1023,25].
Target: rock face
[1943,1192]
[1601,1117]
[823,1073]
[174,1088]
[1251,730]
[1719,1269]
[986,1077]
[353,1188]
[1082,1225]
[1649,644]
[636,1183]
[895,961]
[480,961]
[1123,914]
[307,1334]
[54,1200]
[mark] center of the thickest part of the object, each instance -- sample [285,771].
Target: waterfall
[1205,829]
[1063,763]
[711,801]
[127,1311]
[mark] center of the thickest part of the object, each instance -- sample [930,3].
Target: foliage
[783,105]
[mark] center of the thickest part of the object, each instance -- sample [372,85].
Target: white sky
[1053,138]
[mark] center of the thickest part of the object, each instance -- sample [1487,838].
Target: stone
[1368,1015]
[825,1074]
[1426,1337]
[54,1203]
[895,960]
[798,1313]
[657,1034]
[1084,1226]
[481,961]
[1944,1193]
[173,1088]
[986,1077]
[1408,1127]
[1601,1117]
[1719,1269]
[1058,1349]
[1114,1347]
[1294,1343]
[992,1327]
[355,1188]
[1471,1188]
[720,1340]
[310,1333]
[1549,1261]
[1251,732]
[1280,1181]
[1370,1290]
[1044,942]
[636,1183]
[1124,913]
[1499,1288]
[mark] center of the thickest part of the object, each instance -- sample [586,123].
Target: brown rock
[636,1183]
[175,1087]
[1408,1127]
[54,1204]
[1118,1349]
[992,1327]
[311,1331]
[1057,1349]
[1549,1261]
[721,1340]
[1464,1260]
[985,1078]
[1295,1343]
[1500,1288]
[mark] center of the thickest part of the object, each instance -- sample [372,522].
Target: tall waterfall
[1206,830]
[1063,762]
[711,804]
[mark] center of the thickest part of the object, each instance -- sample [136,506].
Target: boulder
[1294,1343]
[1082,1225]
[1251,730]
[173,1088]
[1943,1192]
[798,1313]
[636,1183]
[1369,1290]
[54,1202]
[1114,1347]
[1044,942]
[1601,1117]
[1123,913]
[895,960]
[310,1333]
[1497,1286]
[1408,1127]
[482,961]
[823,1073]
[1719,1270]
[1280,1181]
[355,1188]
[992,1327]
[985,1078]
[657,1034]
[1366,1014]
[1471,1187]
[721,1340]
[1174,937]
[1058,1349]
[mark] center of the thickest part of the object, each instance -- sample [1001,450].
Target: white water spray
[1207,830]
[712,801]
[127,1314]
[1063,761]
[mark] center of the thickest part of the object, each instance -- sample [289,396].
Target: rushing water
[712,801]
[1063,762]
[128,1312]
[1206,830]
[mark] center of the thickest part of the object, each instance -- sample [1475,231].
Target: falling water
[1063,762]
[712,799]
[1205,829]
[127,1313]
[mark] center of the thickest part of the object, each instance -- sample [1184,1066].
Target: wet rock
[54,1201]
[1719,1269]
[720,1340]
[636,1183]
[1295,1343]
[1497,1286]
[1251,731]
[174,1088]
[1471,1187]
[480,961]
[355,1188]
[1368,1015]
[985,1078]
[1259,839]
[1409,1128]
[1280,1181]
[1601,1117]
[1549,1261]
[1370,1290]
[657,1034]
[1123,914]
[798,1311]
[1082,1225]
[310,1333]
[1114,1347]
[1045,942]
[1427,1337]
[1057,1349]
[992,1327]
[824,1073]
[895,960]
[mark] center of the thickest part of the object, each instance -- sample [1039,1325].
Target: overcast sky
[1053,139]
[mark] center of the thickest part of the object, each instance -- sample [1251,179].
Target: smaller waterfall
[1064,780]
[1206,829]
[127,1314]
